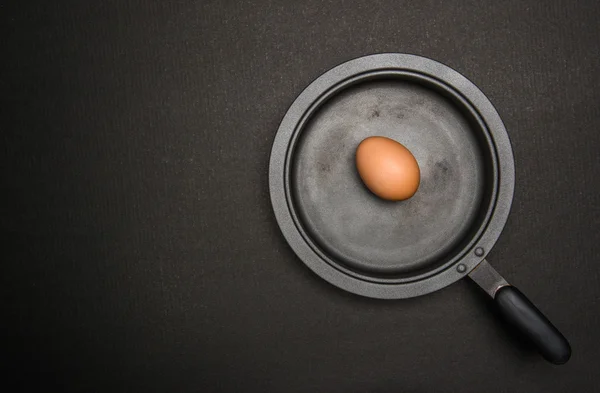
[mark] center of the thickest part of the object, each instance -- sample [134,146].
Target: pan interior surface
[378,238]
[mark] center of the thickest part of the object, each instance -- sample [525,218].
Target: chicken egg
[387,168]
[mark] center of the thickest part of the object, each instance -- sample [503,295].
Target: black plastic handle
[529,321]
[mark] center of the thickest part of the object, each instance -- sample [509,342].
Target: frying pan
[393,250]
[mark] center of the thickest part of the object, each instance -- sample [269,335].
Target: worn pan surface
[394,250]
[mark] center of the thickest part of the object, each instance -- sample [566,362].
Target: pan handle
[523,315]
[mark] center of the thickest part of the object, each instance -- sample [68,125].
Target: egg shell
[387,168]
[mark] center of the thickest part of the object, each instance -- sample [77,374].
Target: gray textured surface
[362,229]
[140,251]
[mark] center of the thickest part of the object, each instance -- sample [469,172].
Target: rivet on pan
[461,268]
[479,251]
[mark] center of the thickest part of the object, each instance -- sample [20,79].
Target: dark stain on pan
[441,173]
[324,167]
[338,138]
[375,113]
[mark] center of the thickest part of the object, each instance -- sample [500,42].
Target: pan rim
[319,91]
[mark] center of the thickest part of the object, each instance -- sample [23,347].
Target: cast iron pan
[393,250]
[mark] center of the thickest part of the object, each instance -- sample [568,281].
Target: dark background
[140,252]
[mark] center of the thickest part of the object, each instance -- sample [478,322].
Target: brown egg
[387,168]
